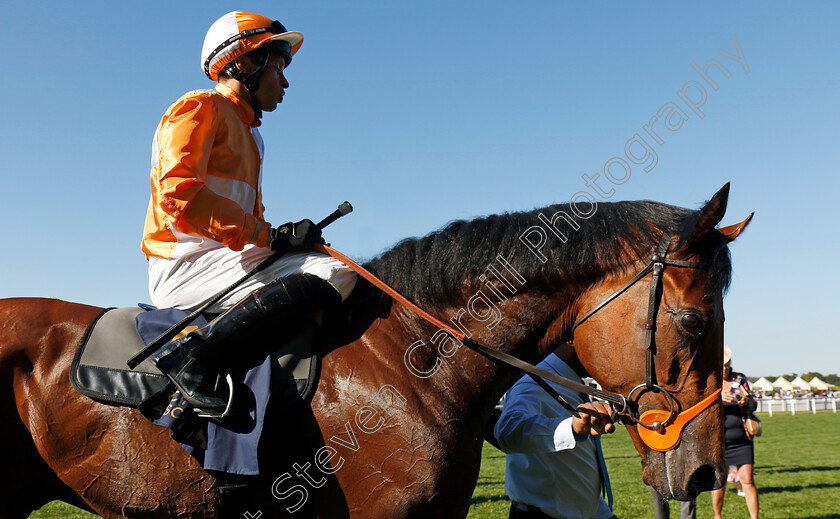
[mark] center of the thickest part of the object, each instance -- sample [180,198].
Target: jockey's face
[273,84]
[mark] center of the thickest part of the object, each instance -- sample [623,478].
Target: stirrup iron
[203,413]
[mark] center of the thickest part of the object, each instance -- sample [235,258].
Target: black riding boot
[196,363]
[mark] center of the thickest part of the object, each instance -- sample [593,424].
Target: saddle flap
[298,362]
[99,369]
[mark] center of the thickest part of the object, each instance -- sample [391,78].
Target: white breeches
[187,283]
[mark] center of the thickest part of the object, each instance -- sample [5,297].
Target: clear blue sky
[424,112]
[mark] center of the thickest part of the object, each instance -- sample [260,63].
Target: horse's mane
[438,268]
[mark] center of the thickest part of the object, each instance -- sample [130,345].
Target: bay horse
[396,427]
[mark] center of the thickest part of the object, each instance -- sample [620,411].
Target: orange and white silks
[204,226]
[205,178]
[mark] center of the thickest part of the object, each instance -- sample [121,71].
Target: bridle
[657,434]
[657,265]
[661,419]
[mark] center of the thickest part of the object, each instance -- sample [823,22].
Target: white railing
[792,405]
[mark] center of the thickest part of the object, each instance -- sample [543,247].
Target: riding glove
[301,237]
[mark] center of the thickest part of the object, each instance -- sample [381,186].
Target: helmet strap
[251,80]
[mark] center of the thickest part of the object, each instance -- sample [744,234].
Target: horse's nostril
[704,479]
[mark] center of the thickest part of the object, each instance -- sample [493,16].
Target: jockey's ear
[245,63]
[733,231]
[697,228]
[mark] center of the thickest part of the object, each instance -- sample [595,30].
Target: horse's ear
[711,215]
[733,231]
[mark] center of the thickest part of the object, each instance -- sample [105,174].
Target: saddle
[99,369]
[284,370]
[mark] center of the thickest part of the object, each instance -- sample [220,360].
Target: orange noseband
[669,434]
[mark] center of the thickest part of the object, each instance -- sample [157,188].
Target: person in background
[662,510]
[737,402]
[554,466]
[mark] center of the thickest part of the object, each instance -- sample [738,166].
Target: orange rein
[324,249]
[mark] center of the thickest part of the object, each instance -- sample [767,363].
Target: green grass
[57,509]
[797,473]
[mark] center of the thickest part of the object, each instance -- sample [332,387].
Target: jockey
[205,228]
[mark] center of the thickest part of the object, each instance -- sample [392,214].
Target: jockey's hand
[301,236]
[595,419]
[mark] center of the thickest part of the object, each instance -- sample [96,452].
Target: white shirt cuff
[564,438]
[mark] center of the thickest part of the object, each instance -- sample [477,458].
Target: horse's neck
[501,309]
[522,328]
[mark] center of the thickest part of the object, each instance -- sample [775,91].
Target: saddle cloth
[289,371]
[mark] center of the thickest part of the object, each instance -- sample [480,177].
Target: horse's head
[683,370]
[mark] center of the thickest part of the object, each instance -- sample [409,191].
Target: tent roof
[799,383]
[763,384]
[818,384]
[782,383]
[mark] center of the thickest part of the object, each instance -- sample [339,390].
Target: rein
[665,430]
[168,335]
[618,401]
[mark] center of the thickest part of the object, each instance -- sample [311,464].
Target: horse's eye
[692,322]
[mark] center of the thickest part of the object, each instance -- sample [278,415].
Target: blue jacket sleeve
[531,422]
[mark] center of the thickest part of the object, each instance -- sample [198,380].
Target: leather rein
[656,432]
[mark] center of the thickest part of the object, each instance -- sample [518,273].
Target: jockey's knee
[341,277]
[344,283]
